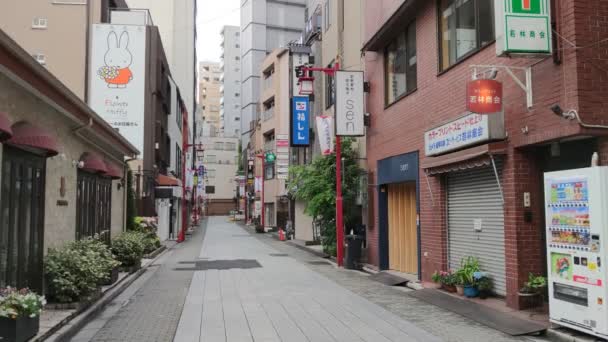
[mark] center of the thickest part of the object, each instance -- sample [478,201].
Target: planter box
[131,269]
[113,277]
[18,330]
[530,300]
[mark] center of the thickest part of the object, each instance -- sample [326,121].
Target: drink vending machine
[576,209]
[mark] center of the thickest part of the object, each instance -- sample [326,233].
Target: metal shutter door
[474,194]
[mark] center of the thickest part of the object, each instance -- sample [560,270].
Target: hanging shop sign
[484,96]
[523,26]
[349,104]
[298,59]
[300,122]
[326,137]
[468,130]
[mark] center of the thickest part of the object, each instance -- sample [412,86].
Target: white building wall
[231,82]
[221,166]
[265,25]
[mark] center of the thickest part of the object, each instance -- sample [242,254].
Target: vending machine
[576,206]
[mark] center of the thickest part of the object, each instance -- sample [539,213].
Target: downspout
[77,131]
[125,191]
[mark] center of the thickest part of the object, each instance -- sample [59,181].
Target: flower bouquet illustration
[117,61]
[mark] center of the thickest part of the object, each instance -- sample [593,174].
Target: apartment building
[210,97]
[265,26]
[418,78]
[230,103]
[176,22]
[220,165]
[38,25]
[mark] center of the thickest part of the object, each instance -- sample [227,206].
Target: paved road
[226,284]
[280,300]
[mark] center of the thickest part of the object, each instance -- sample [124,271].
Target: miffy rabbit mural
[117,60]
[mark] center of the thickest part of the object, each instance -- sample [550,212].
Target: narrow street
[227,284]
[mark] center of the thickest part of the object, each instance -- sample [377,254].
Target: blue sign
[201,170]
[397,169]
[300,121]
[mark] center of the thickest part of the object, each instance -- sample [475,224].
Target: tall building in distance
[38,25]
[209,97]
[265,25]
[230,103]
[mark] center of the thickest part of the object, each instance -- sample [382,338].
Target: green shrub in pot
[75,270]
[16,303]
[128,248]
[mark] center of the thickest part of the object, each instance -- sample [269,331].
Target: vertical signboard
[298,59]
[326,136]
[523,26]
[300,121]
[117,81]
[349,104]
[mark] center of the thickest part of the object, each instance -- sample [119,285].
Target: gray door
[474,198]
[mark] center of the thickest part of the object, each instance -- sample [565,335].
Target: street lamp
[306,87]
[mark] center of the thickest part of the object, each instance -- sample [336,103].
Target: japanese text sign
[324,128]
[300,121]
[523,26]
[349,103]
[484,96]
[468,130]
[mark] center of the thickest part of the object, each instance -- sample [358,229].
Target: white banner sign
[117,82]
[350,109]
[523,26]
[298,60]
[326,136]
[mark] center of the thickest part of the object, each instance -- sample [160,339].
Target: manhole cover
[319,263]
[278,254]
[203,265]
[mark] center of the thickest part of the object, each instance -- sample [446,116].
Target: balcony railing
[268,114]
[131,16]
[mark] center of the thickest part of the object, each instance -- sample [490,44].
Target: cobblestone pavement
[149,309]
[280,300]
[444,324]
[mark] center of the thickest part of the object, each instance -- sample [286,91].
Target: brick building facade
[537,140]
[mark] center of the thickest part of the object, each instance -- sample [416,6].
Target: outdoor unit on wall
[576,209]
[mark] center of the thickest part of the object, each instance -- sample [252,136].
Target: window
[210,158]
[206,68]
[237,94]
[210,173]
[237,46]
[218,145]
[268,171]
[236,34]
[465,27]
[237,58]
[206,78]
[237,106]
[216,79]
[230,146]
[40,58]
[39,23]
[330,89]
[236,118]
[327,14]
[178,161]
[400,69]
[93,206]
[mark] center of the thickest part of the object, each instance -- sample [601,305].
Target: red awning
[93,163]
[34,139]
[470,158]
[113,172]
[163,180]
[5,127]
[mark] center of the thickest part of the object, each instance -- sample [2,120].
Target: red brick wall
[399,128]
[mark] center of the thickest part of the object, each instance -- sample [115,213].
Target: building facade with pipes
[438,196]
[63,168]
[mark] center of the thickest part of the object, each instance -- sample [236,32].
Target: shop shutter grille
[474,194]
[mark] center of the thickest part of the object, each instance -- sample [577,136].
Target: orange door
[402,230]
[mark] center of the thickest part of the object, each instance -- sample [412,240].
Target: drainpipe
[125,191]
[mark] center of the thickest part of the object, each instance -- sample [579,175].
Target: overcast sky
[212,15]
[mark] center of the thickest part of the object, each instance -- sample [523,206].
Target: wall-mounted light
[78,164]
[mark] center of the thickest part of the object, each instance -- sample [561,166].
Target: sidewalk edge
[72,325]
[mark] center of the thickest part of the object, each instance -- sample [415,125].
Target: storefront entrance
[93,206]
[476,222]
[402,229]
[22,219]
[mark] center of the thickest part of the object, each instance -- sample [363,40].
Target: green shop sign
[523,27]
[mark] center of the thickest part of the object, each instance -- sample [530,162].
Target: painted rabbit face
[118,54]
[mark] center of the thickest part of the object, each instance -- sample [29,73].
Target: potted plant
[532,290]
[484,284]
[19,314]
[128,249]
[447,280]
[466,275]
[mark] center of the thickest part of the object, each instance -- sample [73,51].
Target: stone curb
[71,325]
[309,250]
[558,334]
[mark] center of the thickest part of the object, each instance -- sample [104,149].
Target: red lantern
[484,96]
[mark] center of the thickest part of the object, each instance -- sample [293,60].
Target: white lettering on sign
[404,167]
[349,103]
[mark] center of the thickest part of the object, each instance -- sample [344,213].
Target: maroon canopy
[33,138]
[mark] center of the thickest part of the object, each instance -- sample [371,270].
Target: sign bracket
[525,84]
